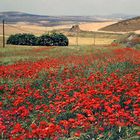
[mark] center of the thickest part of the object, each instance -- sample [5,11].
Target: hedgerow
[22,39]
[54,39]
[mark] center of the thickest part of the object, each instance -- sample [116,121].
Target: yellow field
[36,29]
[95,26]
[26,28]
[90,41]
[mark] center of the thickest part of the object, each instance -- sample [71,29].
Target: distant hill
[15,17]
[128,25]
[43,20]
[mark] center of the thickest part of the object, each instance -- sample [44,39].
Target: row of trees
[54,39]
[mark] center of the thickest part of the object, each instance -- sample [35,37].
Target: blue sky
[72,7]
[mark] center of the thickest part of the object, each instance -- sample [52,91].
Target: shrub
[54,39]
[124,38]
[136,40]
[129,40]
[59,39]
[45,40]
[22,39]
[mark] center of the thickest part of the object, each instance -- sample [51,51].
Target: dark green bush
[22,39]
[54,39]
[59,39]
[45,40]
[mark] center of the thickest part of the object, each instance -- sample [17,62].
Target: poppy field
[80,96]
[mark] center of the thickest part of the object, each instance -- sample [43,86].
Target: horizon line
[31,13]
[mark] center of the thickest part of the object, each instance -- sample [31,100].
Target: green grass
[138,47]
[12,54]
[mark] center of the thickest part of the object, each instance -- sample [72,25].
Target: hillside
[43,20]
[129,25]
[14,17]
